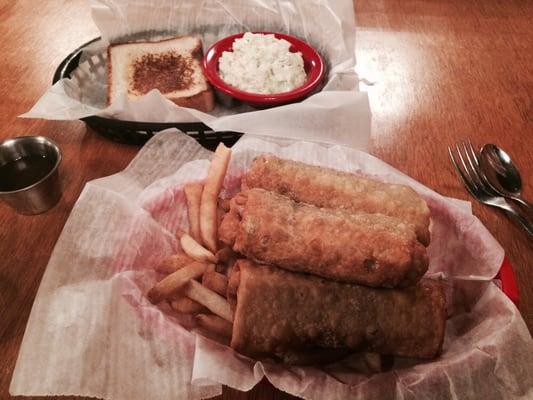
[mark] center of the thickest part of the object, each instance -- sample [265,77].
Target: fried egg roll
[370,249]
[279,312]
[325,187]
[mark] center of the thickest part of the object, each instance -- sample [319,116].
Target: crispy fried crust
[279,311]
[330,188]
[370,249]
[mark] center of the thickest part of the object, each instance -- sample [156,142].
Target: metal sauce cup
[34,196]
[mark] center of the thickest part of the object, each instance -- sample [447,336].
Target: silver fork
[465,161]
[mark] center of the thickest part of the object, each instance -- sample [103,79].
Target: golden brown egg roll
[369,249]
[278,311]
[325,187]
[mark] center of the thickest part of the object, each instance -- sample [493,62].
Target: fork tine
[469,176]
[472,157]
[470,149]
[466,182]
[471,172]
[474,170]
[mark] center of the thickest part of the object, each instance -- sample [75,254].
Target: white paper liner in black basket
[338,114]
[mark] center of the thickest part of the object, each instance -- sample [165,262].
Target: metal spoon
[501,174]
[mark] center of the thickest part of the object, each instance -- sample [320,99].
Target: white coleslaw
[261,63]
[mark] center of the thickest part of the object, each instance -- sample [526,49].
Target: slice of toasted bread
[173,66]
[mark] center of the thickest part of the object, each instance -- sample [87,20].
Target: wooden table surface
[442,71]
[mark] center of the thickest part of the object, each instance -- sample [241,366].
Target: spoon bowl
[501,174]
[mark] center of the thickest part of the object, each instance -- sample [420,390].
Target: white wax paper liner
[338,114]
[92,332]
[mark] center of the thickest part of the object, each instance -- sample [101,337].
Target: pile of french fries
[196,278]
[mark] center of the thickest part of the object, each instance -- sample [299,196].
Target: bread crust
[203,101]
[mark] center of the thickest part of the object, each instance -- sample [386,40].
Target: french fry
[173,263]
[194,250]
[193,194]
[215,324]
[208,205]
[169,285]
[184,305]
[212,301]
[218,283]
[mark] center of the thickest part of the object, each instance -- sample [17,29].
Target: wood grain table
[441,71]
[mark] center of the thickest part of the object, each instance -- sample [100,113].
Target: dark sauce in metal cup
[24,171]
[29,180]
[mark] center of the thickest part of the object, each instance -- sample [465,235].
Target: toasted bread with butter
[173,66]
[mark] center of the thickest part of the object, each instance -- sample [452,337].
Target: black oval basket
[138,133]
